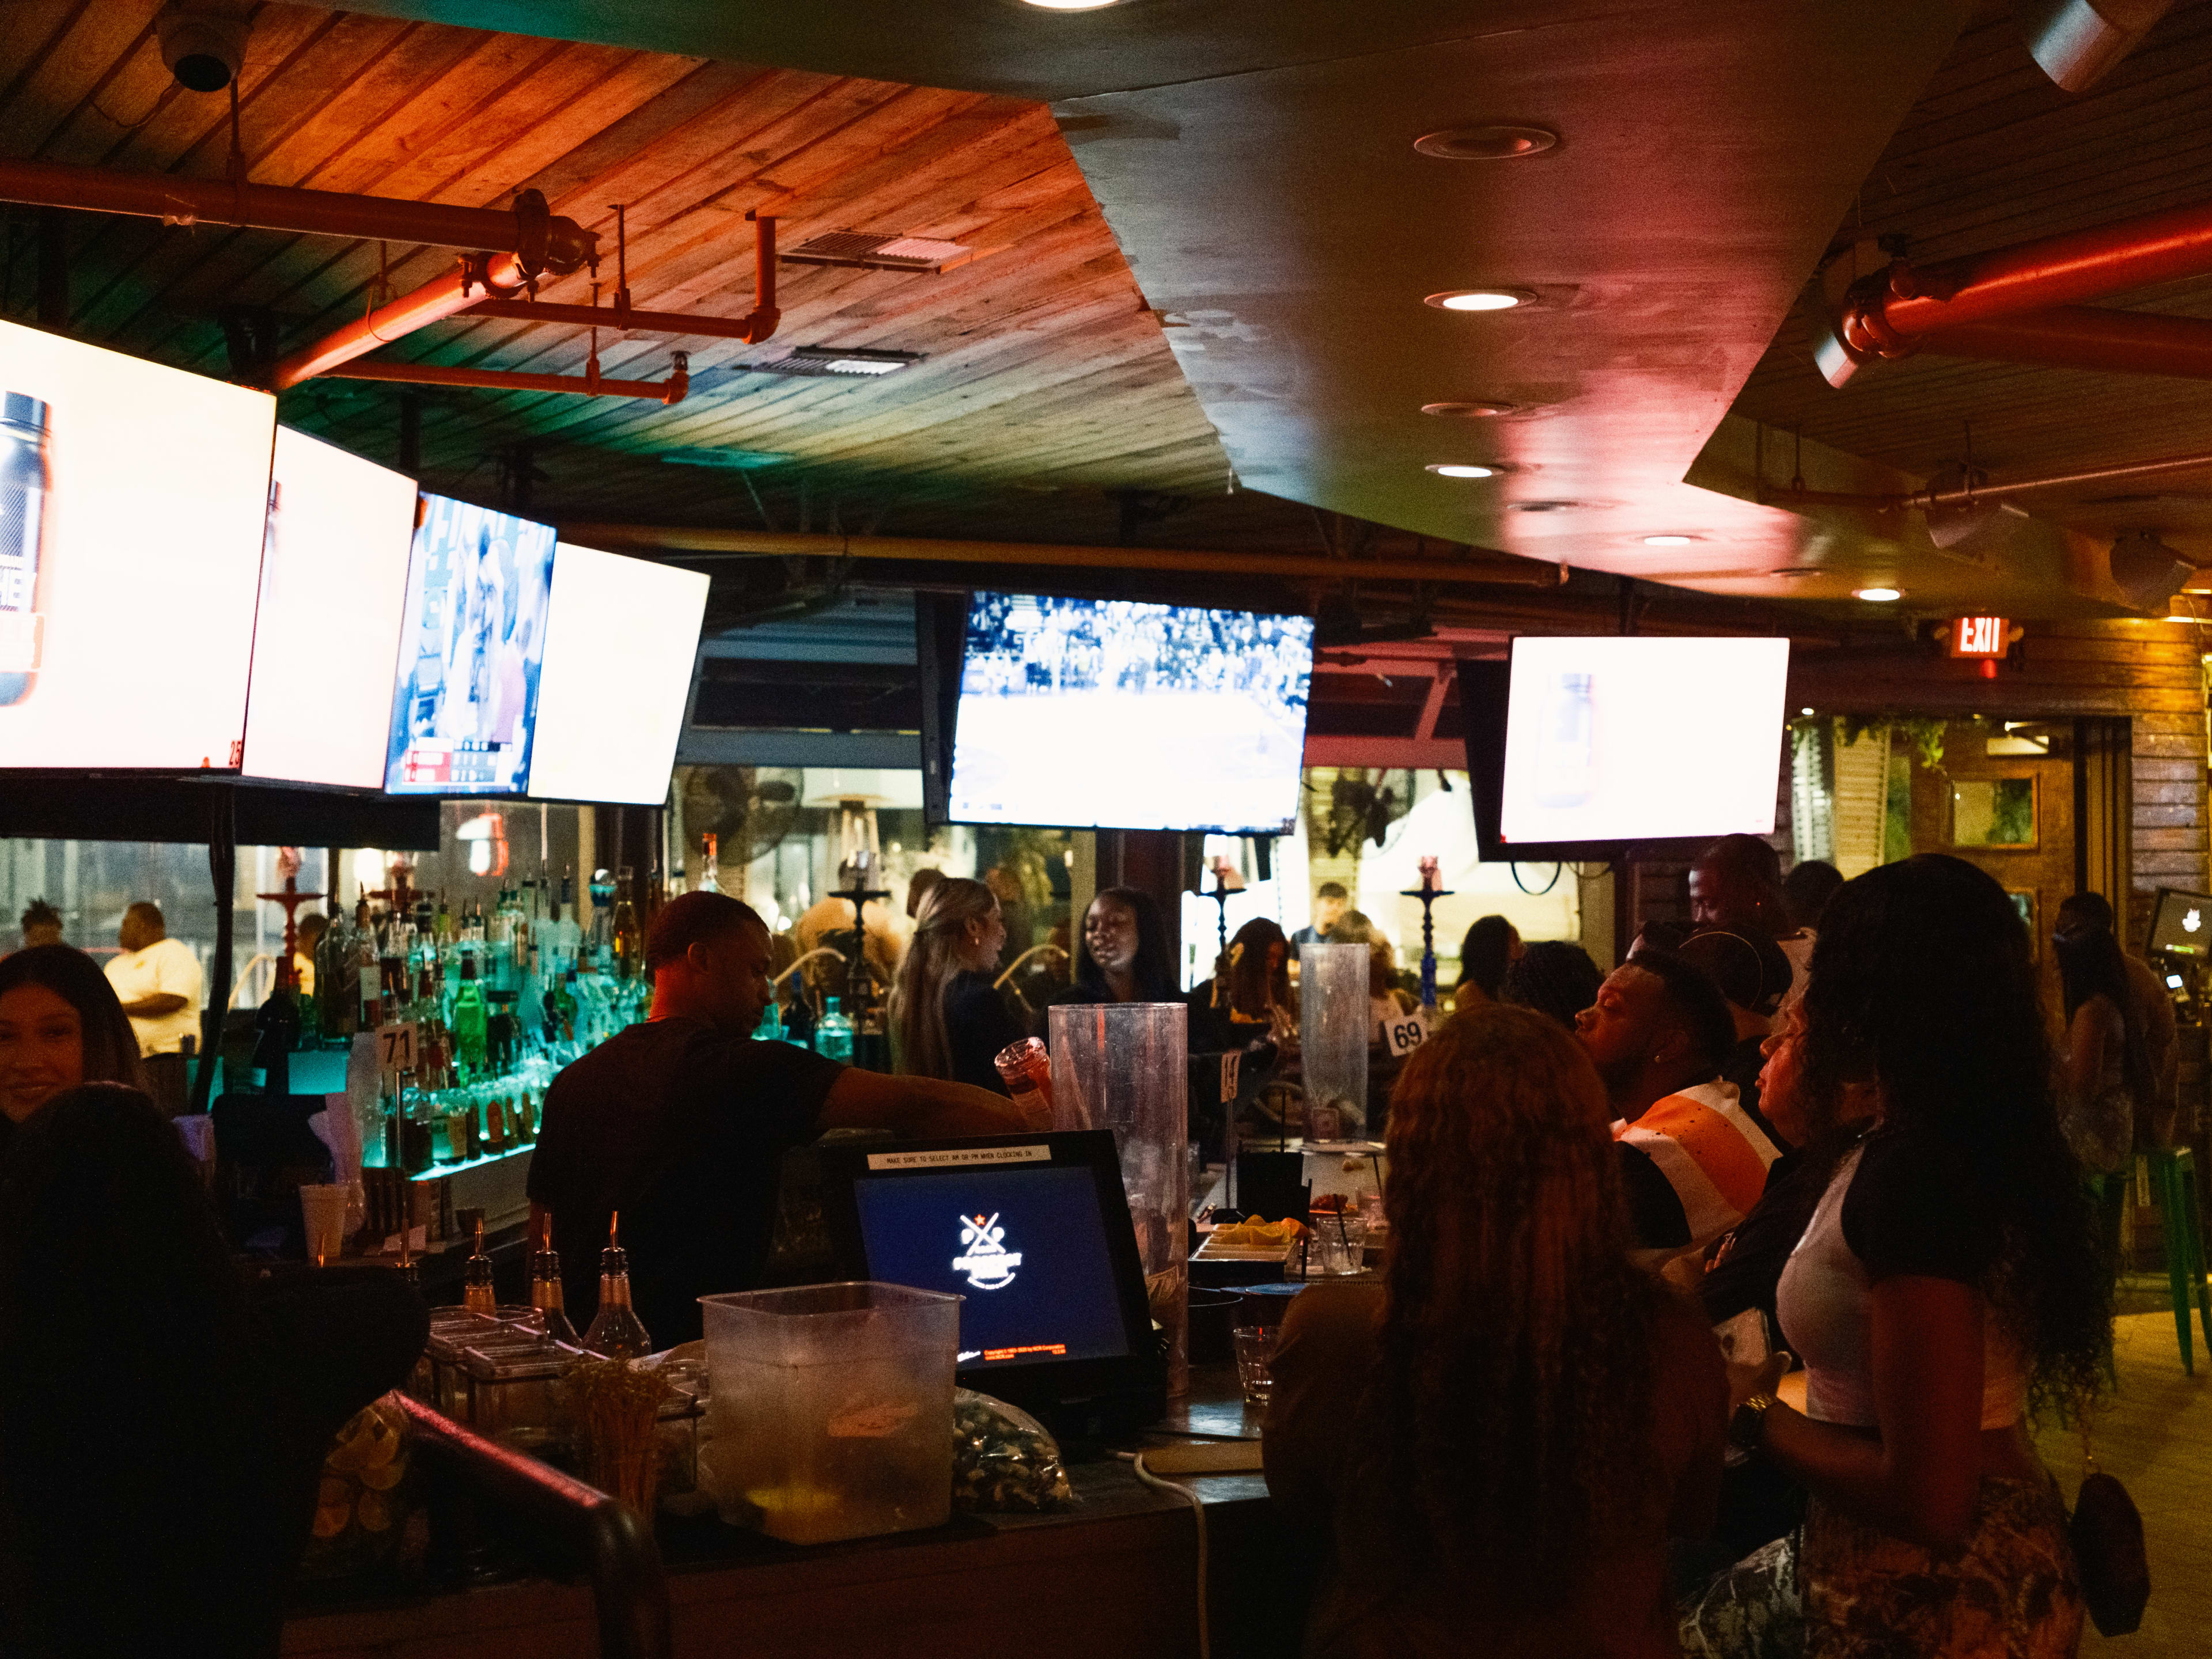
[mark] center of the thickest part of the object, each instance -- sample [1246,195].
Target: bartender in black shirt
[681,1123]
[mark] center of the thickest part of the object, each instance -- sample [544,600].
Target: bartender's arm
[153,1006]
[916,1107]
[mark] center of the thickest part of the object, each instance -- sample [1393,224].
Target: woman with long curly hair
[1947,1285]
[947,1018]
[1498,1439]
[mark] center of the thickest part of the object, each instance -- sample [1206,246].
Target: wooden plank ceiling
[1047,387]
[1992,155]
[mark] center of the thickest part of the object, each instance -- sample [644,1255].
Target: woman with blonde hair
[1530,1417]
[947,1018]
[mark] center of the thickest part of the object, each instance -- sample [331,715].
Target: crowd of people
[1018,645]
[1824,1117]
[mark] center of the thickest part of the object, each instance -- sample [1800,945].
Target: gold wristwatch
[1747,1425]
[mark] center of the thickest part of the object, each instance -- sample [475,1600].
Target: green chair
[2173,1190]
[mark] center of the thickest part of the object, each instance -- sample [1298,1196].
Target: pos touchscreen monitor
[131,500]
[1032,1232]
[472,648]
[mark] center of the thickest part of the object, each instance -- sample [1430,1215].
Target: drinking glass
[1255,1354]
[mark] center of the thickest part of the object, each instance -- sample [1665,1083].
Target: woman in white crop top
[1946,1277]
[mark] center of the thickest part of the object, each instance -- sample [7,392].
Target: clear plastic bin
[831,1410]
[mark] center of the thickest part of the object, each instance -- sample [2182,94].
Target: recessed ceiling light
[1477,410]
[1669,541]
[1805,711]
[1477,299]
[1878,595]
[1494,142]
[1458,469]
[1071,5]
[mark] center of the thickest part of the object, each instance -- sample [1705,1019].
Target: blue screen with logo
[1025,1247]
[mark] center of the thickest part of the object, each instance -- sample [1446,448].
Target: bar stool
[2173,1190]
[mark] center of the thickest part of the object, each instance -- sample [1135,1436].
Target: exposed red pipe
[1888,312]
[2085,336]
[670,390]
[753,327]
[467,285]
[544,241]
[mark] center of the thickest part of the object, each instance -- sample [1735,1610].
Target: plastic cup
[1255,1355]
[324,1210]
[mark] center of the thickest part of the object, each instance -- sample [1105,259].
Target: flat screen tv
[621,638]
[472,648]
[1110,714]
[325,636]
[131,501]
[1592,747]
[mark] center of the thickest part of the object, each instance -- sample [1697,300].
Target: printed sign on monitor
[1632,739]
[131,499]
[471,646]
[333,591]
[1108,713]
[620,643]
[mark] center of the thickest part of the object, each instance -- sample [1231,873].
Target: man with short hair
[1736,884]
[681,1123]
[1330,903]
[42,924]
[1692,1161]
[158,981]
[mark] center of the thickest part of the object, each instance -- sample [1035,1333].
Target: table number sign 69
[1403,1033]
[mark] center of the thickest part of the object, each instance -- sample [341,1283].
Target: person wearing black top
[1122,955]
[162,1422]
[948,1020]
[680,1123]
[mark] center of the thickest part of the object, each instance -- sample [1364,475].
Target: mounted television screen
[1614,740]
[1110,714]
[471,645]
[620,640]
[333,588]
[131,498]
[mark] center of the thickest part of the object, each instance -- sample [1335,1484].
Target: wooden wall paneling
[2105,791]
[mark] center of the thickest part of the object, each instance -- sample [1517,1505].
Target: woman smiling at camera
[60,1026]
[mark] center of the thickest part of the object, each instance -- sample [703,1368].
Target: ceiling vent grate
[859,363]
[875,250]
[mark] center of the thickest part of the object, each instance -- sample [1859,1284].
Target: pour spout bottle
[615,1331]
[545,1292]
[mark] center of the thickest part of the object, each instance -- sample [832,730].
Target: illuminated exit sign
[1980,637]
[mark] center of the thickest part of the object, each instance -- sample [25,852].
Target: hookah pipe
[1428,892]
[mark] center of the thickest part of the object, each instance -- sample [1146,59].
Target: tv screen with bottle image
[471,649]
[1112,713]
[1626,739]
[131,506]
[326,635]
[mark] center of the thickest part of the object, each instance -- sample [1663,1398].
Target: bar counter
[1114,1577]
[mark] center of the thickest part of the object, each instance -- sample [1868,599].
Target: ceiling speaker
[2147,571]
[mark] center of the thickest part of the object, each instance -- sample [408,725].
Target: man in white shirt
[157,980]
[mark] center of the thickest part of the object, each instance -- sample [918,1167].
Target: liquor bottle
[615,1330]
[628,940]
[275,1035]
[416,1153]
[545,1292]
[710,875]
[24,580]
[833,1033]
[469,1018]
[478,1294]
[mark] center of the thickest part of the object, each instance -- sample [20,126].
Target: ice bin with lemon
[831,1413]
